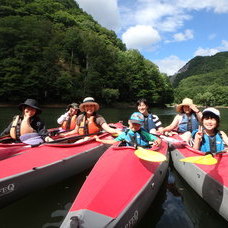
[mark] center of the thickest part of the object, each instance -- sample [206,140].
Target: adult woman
[151,122]
[89,121]
[186,121]
[208,138]
[27,122]
[68,119]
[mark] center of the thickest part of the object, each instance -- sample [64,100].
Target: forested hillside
[204,79]
[53,51]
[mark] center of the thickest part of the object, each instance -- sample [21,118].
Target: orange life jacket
[18,128]
[70,123]
[88,126]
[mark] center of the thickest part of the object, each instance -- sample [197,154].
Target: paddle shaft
[73,137]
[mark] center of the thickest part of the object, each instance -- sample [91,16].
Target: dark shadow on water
[45,208]
[198,211]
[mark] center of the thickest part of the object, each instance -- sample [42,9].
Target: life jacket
[70,123]
[88,126]
[212,144]
[136,138]
[16,128]
[188,123]
[149,123]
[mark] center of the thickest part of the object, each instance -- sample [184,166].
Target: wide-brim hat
[88,101]
[73,105]
[31,103]
[137,117]
[213,111]
[185,102]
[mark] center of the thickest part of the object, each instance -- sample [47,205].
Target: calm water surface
[176,205]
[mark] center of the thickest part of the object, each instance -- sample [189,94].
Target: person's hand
[194,108]
[199,134]
[157,142]
[48,139]
[96,138]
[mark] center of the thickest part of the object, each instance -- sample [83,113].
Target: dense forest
[203,79]
[54,52]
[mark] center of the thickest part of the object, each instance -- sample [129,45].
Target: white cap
[212,110]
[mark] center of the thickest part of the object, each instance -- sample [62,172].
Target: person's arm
[105,141]
[197,112]
[62,118]
[111,130]
[224,137]
[198,138]
[173,125]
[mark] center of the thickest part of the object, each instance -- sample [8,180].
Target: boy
[135,135]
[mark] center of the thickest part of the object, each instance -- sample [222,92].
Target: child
[135,135]
[208,138]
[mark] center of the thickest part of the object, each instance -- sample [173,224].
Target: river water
[176,204]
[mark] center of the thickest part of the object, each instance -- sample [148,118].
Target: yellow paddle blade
[149,155]
[204,160]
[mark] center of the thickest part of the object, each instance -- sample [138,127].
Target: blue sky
[167,32]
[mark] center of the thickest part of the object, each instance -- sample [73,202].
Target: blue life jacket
[136,138]
[212,144]
[149,123]
[188,123]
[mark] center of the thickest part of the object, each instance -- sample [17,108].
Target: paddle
[7,152]
[206,159]
[149,155]
[73,137]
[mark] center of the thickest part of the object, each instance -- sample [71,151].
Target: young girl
[208,138]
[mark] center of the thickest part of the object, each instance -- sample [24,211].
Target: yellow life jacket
[70,123]
[88,126]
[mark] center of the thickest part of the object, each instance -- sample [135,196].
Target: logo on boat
[132,220]
[7,189]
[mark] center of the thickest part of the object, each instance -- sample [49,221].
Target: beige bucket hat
[185,102]
[88,101]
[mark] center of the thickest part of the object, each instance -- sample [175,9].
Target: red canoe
[209,181]
[118,190]
[46,164]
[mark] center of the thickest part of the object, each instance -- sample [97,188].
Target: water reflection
[176,205]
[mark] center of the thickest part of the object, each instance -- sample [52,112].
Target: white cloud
[205,51]
[212,51]
[140,36]
[170,65]
[186,35]
[220,6]
[103,11]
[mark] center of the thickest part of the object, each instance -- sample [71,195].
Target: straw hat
[31,103]
[88,101]
[185,102]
